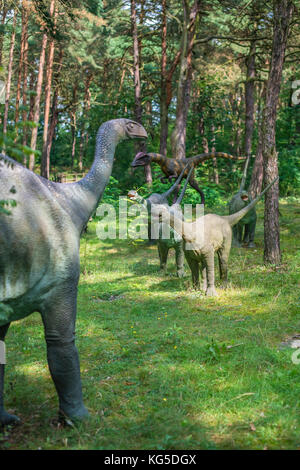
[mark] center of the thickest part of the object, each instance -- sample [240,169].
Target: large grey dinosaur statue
[244,230]
[172,238]
[202,238]
[39,257]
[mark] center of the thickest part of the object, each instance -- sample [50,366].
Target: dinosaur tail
[233,219]
[206,156]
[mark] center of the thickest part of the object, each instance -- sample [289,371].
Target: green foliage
[163,366]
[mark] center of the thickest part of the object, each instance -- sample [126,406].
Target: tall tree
[9,72]
[45,161]
[282,15]
[190,15]
[137,78]
[36,114]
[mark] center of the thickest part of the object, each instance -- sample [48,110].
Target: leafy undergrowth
[163,367]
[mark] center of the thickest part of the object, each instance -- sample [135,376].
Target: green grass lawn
[163,367]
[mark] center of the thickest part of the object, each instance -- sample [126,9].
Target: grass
[163,367]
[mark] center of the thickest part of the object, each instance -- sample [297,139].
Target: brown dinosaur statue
[172,167]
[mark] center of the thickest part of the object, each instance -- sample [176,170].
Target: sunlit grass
[164,367]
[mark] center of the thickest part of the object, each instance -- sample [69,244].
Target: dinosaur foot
[211,292]
[180,273]
[8,420]
[251,245]
[73,419]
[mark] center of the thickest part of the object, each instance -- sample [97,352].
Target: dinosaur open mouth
[245,198]
[140,159]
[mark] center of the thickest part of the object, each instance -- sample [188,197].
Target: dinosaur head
[245,196]
[134,130]
[141,159]
[123,129]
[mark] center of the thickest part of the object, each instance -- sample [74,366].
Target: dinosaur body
[39,257]
[244,231]
[202,238]
[172,167]
[174,241]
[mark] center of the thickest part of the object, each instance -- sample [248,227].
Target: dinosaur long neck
[177,223]
[158,158]
[87,193]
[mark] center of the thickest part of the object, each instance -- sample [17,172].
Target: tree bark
[257,171]
[73,124]
[9,74]
[178,138]
[36,115]
[4,13]
[282,13]
[86,107]
[21,61]
[250,98]
[45,161]
[54,110]
[137,82]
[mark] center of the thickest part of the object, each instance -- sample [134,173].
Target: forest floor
[164,367]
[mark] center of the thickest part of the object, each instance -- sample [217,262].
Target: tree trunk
[73,124]
[86,107]
[54,111]
[282,11]
[45,161]
[250,98]
[214,160]
[36,115]
[257,171]
[4,13]
[9,74]
[137,83]
[185,75]
[163,87]
[21,61]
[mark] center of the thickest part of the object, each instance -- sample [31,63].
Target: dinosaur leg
[238,234]
[246,234]
[203,285]
[194,185]
[223,255]
[163,251]
[163,179]
[252,226]
[179,255]
[235,241]
[5,418]
[210,266]
[59,318]
[175,193]
[194,267]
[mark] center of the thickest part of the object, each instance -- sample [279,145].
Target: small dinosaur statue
[202,238]
[175,240]
[248,223]
[39,257]
[172,167]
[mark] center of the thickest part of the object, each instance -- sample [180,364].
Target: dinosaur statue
[172,167]
[202,238]
[175,240]
[39,258]
[248,223]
